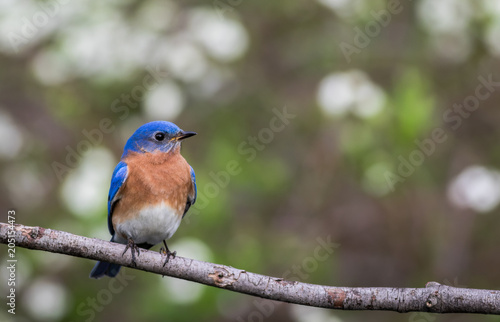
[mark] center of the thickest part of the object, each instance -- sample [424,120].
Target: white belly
[153,225]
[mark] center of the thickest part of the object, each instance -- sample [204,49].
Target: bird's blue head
[157,136]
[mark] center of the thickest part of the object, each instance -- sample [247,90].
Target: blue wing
[119,177]
[192,197]
[193,179]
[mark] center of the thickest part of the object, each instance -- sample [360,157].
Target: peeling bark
[435,297]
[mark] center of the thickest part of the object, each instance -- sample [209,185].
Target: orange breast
[153,178]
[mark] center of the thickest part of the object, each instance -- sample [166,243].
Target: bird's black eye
[160,136]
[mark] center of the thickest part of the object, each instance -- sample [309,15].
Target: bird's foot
[166,252]
[133,249]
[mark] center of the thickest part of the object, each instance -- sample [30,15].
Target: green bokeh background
[323,175]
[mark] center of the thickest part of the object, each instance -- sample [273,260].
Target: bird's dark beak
[184,135]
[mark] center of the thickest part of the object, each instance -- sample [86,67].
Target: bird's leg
[167,252]
[133,248]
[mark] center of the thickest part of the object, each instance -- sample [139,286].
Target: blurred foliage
[229,70]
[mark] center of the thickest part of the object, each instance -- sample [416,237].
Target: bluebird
[151,191]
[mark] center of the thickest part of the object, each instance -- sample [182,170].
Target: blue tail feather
[104,268]
[107,269]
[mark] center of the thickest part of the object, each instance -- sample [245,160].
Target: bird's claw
[133,249]
[166,252]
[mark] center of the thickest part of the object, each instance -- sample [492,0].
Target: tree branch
[434,297]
